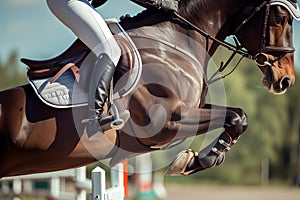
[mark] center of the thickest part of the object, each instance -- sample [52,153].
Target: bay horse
[37,138]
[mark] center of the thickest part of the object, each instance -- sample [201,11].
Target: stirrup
[113,120]
[116,116]
[117,123]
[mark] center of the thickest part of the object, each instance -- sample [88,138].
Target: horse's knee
[236,122]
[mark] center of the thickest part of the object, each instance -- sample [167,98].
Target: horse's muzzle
[276,87]
[272,79]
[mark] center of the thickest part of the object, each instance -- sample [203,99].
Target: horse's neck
[163,29]
[216,17]
[210,16]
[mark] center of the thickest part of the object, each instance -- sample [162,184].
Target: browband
[292,8]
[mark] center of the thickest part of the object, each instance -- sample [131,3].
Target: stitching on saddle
[128,50]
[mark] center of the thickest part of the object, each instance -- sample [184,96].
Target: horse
[175,48]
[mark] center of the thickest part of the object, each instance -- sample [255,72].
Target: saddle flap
[54,80]
[69,55]
[130,65]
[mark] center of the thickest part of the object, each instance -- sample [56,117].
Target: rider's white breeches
[87,24]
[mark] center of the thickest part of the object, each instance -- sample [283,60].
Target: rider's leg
[164,4]
[91,29]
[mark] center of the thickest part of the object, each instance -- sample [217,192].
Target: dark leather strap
[97,3]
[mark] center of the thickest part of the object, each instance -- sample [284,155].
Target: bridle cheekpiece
[260,55]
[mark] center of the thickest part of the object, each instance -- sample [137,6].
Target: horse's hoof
[179,164]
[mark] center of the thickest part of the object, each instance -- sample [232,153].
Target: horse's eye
[290,21]
[280,19]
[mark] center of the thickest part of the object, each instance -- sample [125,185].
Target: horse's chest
[185,84]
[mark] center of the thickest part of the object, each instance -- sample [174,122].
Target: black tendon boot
[99,88]
[164,4]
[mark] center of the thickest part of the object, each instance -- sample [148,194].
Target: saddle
[63,81]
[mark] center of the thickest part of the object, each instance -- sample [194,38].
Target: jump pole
[144,178]
[117,189]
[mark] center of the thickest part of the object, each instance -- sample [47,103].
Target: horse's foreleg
[234,122]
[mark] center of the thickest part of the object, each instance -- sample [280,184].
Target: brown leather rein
[237,48]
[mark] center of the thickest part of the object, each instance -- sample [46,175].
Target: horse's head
[264,28]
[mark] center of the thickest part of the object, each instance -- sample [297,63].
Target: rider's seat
[50,67]
[78,58]
[72,53]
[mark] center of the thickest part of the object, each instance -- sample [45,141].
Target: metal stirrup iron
[117,123]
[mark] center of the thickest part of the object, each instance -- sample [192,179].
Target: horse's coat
[164,106]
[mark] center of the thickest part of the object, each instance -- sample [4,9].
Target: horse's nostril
[285,83]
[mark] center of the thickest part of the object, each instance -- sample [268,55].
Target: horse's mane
[147,17]
[193,10]
[190,9]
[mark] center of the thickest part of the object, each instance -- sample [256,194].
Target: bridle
[259,56]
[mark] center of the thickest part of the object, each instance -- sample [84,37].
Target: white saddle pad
[65,92]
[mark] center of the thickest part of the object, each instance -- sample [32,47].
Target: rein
[237,48]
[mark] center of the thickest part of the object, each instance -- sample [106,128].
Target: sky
[28,27]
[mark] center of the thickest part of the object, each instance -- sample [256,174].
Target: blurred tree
[11,74]
[259,149]
[293,137]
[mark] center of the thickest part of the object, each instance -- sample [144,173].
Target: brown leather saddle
[38,69]
[74,65]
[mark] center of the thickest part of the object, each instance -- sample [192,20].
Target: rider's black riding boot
[99,89]
[164,4]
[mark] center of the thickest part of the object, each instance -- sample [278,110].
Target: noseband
[237,48]
[264,48]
